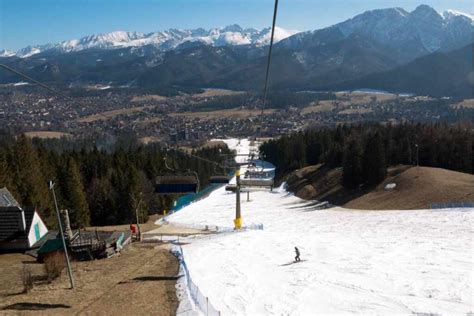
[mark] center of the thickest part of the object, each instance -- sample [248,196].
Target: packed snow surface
[364,262]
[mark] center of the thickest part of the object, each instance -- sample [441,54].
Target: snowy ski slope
[365,262]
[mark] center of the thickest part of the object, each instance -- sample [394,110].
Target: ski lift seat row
[257,182]
[219,179]
[255,177]
[176,184]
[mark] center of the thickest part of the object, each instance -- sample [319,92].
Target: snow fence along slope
[354,261]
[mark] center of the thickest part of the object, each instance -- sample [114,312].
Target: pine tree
[405,152]
[29,179]
[352,165]
[465,145]
[75,197]
[335,155]
[313,149]
[284,157]
[126,183]
[132,194]
[100,196]
[298,152]
[5,173]
[373,163]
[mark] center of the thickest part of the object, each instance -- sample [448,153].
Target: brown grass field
[216,92]
[110,114]
[365,97]
[355,111]
[151,97]
[153,120]
[47,134]
[345,100]
[322,106]
[230,113]
[149,139]
[140,280]
[416,188]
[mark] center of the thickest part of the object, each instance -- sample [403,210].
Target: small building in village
[20,230]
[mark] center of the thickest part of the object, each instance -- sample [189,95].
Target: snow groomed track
[365,262]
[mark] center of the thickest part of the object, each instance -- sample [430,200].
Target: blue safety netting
[452,205]
[199,299]
[187,199]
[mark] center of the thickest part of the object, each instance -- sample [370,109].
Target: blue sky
[29,22]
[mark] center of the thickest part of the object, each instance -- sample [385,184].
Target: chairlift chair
[256,177]
[219,178]
[176,182]
[222,179]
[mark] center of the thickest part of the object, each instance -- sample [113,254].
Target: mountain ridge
[165,40]
[382,23]
[360,50]
[424,29]
[439,74]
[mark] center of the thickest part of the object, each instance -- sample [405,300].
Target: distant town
[191,119]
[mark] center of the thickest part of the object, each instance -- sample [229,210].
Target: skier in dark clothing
[297,251]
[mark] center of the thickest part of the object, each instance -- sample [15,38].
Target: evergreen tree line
[97,186]
[365,151]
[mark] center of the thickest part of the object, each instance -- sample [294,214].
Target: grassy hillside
[416,188]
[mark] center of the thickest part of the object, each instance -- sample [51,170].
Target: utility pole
[138,222]
[238,218]
[69,270]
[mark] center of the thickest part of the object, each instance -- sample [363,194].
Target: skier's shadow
[290,263]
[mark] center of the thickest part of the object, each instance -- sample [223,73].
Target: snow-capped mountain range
[385,25]
[451,13]
[166,40]
[397,28]
[379,49]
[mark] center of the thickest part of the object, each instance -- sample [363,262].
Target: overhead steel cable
[35,81]
[54,91]
[198,157]
[275,11]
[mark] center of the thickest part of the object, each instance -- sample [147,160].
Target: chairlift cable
[24,76]
[43,85]
[269,56]
[198,157]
